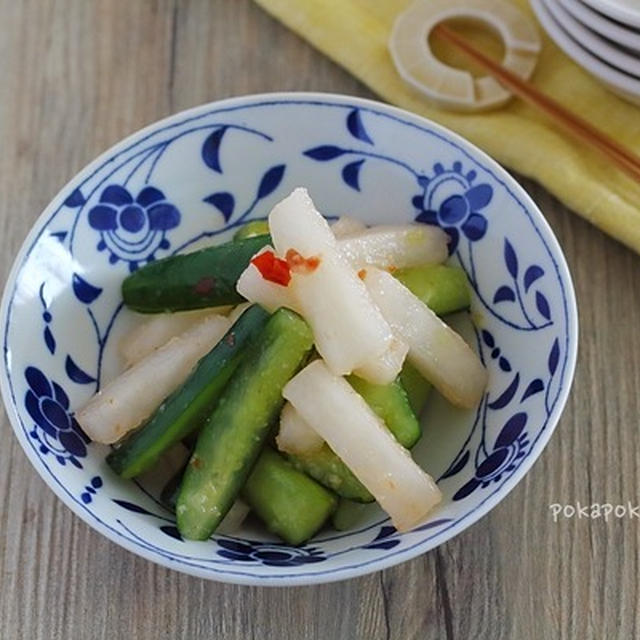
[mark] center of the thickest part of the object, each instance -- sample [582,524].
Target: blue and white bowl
[196,176]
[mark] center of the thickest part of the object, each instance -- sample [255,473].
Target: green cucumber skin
[327,468]
[251,230]
[348,514]
[236,431]
[391,404]
[415,386]
[205,278]
[442,288]
[187,408]
[291,505]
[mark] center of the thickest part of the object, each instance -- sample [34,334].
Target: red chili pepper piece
[299,264]
[272,268]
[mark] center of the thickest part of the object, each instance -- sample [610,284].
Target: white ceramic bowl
[600,24]
[625,85]
[198,175]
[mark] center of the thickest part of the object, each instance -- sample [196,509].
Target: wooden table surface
[75,77]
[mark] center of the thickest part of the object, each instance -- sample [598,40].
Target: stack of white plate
[603,36]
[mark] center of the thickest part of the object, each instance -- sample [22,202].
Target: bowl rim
[338,573]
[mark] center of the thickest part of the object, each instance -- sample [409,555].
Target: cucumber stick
[442,288]
[292,505]
[348,515]
[231,522]
[416,387]
[389,402]
[235,433]
[205,278]
[327,468]
[187,408]
[251,229]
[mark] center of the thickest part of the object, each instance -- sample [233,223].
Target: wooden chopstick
[571,122]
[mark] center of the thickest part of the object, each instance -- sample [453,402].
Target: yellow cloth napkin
[355,33]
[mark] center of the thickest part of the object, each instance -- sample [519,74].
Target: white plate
[625,11]
[603,49]
[624,85]
[600,24]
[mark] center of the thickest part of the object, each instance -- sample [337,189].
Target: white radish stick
[270,295]
[361,440]
[346,225]
[437,351]
[395,246]
[157,330]
[295,435]
[294,223]
[348,328]
[133,396]
[385,368]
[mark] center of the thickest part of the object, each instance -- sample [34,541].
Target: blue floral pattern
[268,554]
[513,442]
[55,428]
[510,446]
[133,230]
[388,536]
[47,318]
[91,489]
[454,200]
[450,200]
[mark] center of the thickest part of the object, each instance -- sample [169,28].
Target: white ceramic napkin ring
[447,86]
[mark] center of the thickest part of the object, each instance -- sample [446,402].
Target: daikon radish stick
[398,247]
[348,328]
[295,435]
[270,295]
[346,225]
[359,437]
[157,330]
[385,368]
[295,223]
[133,396]
[437,351]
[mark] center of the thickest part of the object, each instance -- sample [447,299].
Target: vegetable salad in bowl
[293,401]
[232,380]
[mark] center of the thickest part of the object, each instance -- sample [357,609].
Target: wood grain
[75,77]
